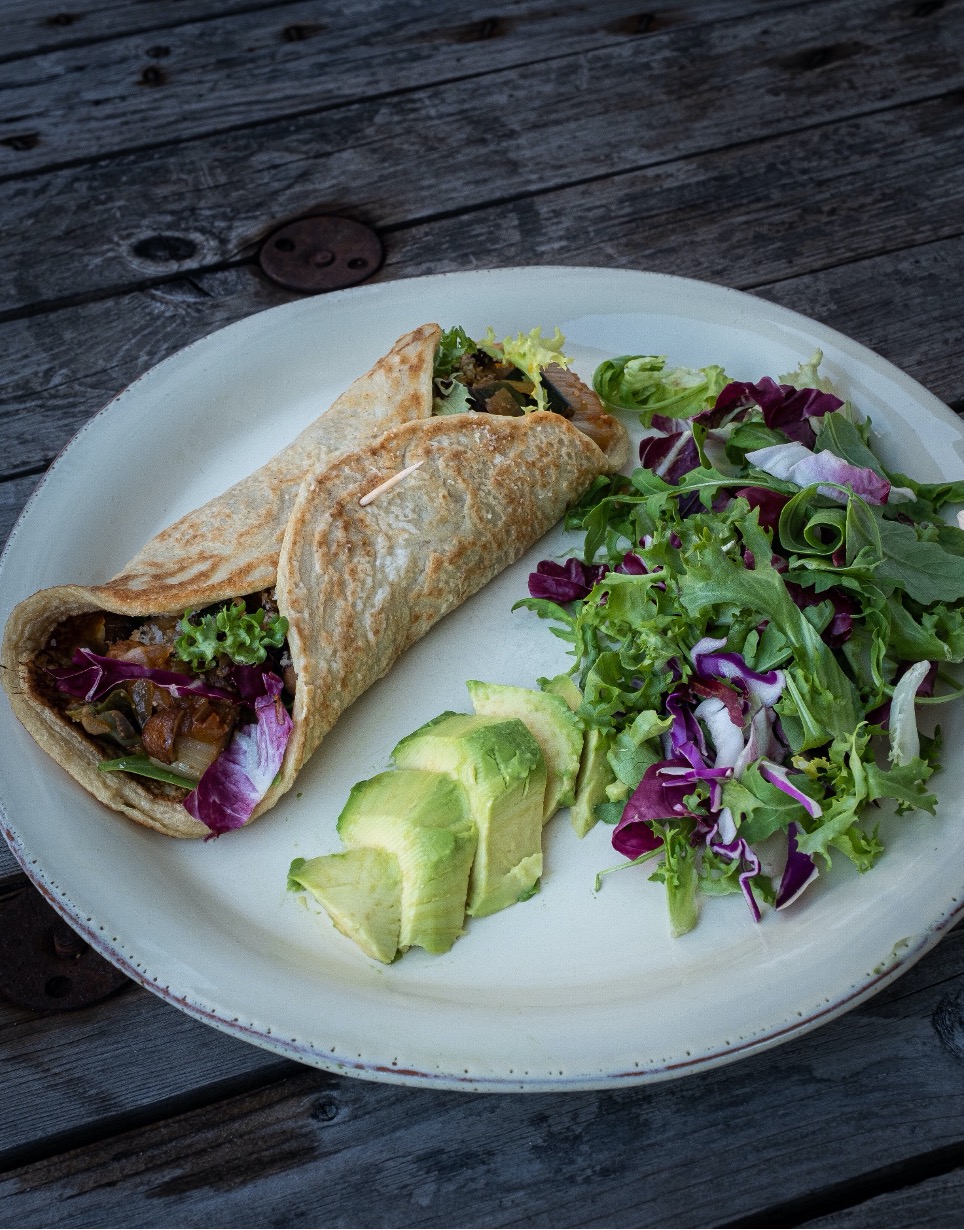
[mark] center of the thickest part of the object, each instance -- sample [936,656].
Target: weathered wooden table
[812,153]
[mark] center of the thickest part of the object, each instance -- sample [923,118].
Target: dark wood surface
[811,153]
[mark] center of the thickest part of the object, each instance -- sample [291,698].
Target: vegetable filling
[198,705]
[515,377]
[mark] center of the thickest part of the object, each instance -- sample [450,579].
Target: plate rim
[210,1014]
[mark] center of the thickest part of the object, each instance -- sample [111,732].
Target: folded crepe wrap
[486,489]
[226,549]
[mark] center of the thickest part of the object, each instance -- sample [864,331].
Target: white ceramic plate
[572,989]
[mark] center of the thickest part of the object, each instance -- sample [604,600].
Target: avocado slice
[553,726]
[595,776]
[501,769]
[564,686]
[362,893]
[421,818]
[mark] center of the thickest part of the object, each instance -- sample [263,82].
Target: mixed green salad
[756,615]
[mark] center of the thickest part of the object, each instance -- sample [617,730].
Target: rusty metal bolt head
[44,964]
[321,253]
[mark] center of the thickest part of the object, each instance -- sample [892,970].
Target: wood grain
[141,1058]
[32,29]
[261,63]
[134,220]
[934,1202]
[316,1149]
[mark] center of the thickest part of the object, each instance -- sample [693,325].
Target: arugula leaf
[922,569]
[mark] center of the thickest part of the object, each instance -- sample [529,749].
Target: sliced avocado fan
[551,723]
[423,819]
[595,772]
[502,771]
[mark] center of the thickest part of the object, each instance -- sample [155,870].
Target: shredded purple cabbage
[738,849]
[710,661]
[777,776]
[238,780]
[799,872]
[685,736]
[97,675]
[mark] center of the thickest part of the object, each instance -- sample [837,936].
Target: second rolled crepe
[363,582]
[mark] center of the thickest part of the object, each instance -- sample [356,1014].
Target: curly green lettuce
[233,633]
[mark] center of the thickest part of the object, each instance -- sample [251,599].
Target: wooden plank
[80,357]
[9,867]
[544,72]
[75,360]
[314,1149]
[222,74]
[33,26]
[137,220]
[935,1202]
[745,216]
[13,496]
[867,301]
[141,1058]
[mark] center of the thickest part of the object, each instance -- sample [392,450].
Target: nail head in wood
[321,253]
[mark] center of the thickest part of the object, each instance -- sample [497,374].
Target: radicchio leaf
[631,564]
[238,780]
[769,504]
[784,408]
[657,797]
[568,582]
[799,872]
[670,456]
[841,625]
[797,464]
[97,675]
